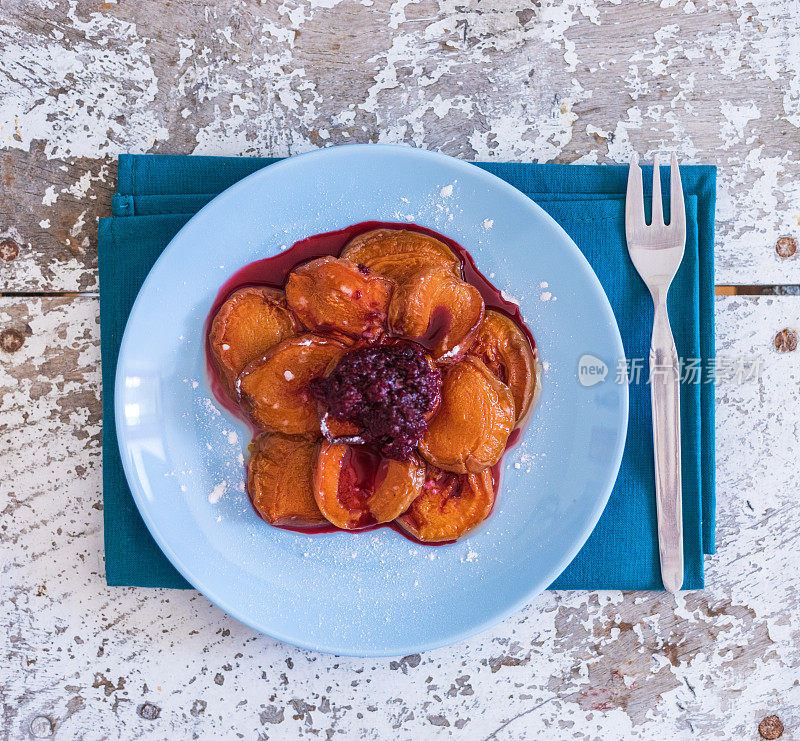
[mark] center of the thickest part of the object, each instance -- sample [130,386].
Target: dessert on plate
[380,386]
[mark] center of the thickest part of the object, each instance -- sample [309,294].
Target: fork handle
[665,400]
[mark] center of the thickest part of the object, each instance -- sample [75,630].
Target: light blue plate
[375,593]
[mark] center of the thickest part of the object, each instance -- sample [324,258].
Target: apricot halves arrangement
[506,352]
[249,323]
[279,475]
[355,488]
[470,430]
[438,310]
[380,387]
[274,389]
[399,254]
[329,294]
[449,506]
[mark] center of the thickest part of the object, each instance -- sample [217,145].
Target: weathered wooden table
[575,81]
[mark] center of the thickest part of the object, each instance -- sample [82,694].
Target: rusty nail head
[770,728]
[785,340]
[786,247]
[11,340]
[9,249]
[41,727]
[148,711]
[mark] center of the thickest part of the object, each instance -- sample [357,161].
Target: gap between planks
[738,290]
[756,290]
[49,294]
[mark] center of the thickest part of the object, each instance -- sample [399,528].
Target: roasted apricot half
[251,321]
[279,481]
[475,417]
[355,487]
[329,294]
[399,253]
[449,506]
[274,390]
[438,310]
[506,352]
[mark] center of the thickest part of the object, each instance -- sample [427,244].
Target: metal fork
[657,251]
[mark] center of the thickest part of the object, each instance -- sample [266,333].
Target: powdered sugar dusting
[217,492]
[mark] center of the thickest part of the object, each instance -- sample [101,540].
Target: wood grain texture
[154,664]
[586,81]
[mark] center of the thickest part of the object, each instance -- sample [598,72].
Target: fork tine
[677,213]
[634,199]
[657,217]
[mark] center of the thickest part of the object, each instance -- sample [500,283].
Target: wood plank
[583,665]
[561,82]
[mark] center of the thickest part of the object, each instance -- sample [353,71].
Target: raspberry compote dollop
[388,391]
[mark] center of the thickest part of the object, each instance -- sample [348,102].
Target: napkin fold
[158,194]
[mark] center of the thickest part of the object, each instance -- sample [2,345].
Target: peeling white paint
[50,196]
[81,119]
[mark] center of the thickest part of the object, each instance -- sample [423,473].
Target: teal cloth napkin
[158,194]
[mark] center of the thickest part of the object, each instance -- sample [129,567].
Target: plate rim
[530,593]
